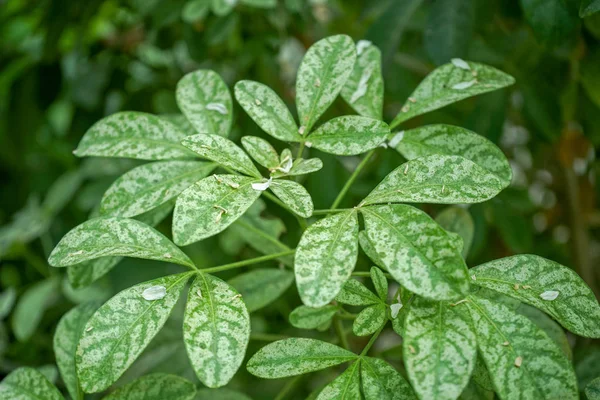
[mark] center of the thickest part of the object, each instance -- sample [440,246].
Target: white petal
[395,308]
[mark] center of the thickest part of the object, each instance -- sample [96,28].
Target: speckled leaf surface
[261,287]
[380,282]
[325,258]
[133,135]
[446,85]
[216,330]
[267,109]
[205,100]
[304,317]
[294,195]
[381,381]
[524,363]
[301,166]
[417,252]
[157,386]
[323,72]
[549,326]
[458,220]
[369,250]
[355,293]
[296,356]
[151,185]
[440,348]
[119,331]
[345,387]
[28,384]
[363,90]
[222,151]
[101,237]
[592,390]
[261,151]
[349,135]
[370,319]
[436,179]
[211,205]
[525,277]
[454,140]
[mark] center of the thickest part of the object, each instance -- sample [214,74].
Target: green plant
[456,323]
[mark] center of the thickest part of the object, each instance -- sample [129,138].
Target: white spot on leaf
[301,130]
[154,292]
[361,45]
[361,90]
[396,139]
[549,295]
[218,107]
[518,361]
[464,85]
[460,63]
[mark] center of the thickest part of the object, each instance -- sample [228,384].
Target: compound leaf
[294,195]
[261,151]
[261,287]
[370,319]
[28,384]
[363,90]
[381,381]
[304,317]
[345,387]
[349,135]
[157,386]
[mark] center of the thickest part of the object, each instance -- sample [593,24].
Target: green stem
[351,180]
[280,203]
[371,341]
[339,330]
[368,274]
[250,261]
[300,150]
[330,210]
[288,388]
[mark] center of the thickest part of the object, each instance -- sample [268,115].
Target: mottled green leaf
[261,151]
[380,282]
[300,166]
[367,247]
[220,394]
[28,384]
[363,90]
[325,258]
[294,195]
[31,306]
[380,381]
[370,319]
[7,300]
[355,293]
[587,8]
[156,386]
[564,19]
[459,221]
[261,287]
[481,375]
[349,135]
[345,387]
[549,326]
[592,391]
[304,317]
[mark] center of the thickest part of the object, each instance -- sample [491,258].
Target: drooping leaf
[7,300]
[587,8]
[458,220]
[592,391]
[268,110]
[370,319]
[380,282]
[220,394]
[449,30]
[380,381]
[156,386]
[261,287]
[205,100]
[563,16]
[345,387]
[216,330]
[323,72]
[296,356]
[325,258]
[261,151]
[440,349]
[294,195]
[417,252]
[355,293]
[544,284]
[133,135]
[304,317]
[31,306]
[349,135]
[28,384]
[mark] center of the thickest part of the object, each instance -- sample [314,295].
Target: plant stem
[300,150]
[287,388]
[339,330]
[250,261]
[371,341]
[368,274]
[280,203]
[330,210]
[351,180]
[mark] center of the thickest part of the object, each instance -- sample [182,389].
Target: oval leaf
[31,306]
[355,293]
[380,282]
[261,287]
[370,319]
[156,386]
[381,381]
[28,384]
[295,196]
[349,135]
[304,317]
[261,151]
[363,90]
[344,387]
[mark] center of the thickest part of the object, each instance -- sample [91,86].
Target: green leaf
[294,195]
[261,287]
[592,391]
[323,72]
[325,258]
[345,387]
[156,386]
[355,293]
[151,185]
[363,90]
[367,247]
[436,179]
[449,29]
[370,319]
[481,375]
[380,381]
[68,331]
[222,151]
[220,394]
[453,140]
[549,326]
[440,349]
[523,361]
[268,110]
[125,237]
[417,252]
[195,10]
[28,384]
[216,330]
[544,284]
[31,306]
[7,300]
[304,317]
[458,220]
[260,3]
[448,84]
[380,282]
[587,8]
[133,135]
[121,329]
[261,151]
[300,166]
[222,8]
[563,16]
[205,100]
[349,135]
[210,206]
[296,356]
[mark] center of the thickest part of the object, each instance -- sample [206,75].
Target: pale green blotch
[294,195]
[26,384]
[349,135]
[381,381]
[345,387]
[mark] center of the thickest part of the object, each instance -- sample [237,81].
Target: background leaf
[27,383]
[304,317]
[155,387]
[458,220]
[349,135]
[562,15]
[449,29]
[31,306]
[261,287]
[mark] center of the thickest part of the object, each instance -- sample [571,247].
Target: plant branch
[368,274]
[339,330]
[330,210]
[372,341]
[351,180]
[250,261]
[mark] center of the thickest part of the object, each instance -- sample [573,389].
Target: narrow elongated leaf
[31,306]
[28,384]
[151,185]
[587,8]
[355,293]
[222,151]
[370,319]
[380,282]
[125,237]
[261,151]
[417,252]
[304,317]
[380,381]
[296,356]
[323,72]
[458,220]
[261,287]
[205,100]
[544,284]
[364,88]
[349,135]
[121,329]
[325,258]
[440,349]
[155,387]
[523,361]
[211,205]
[133,135]
[268,110]
[216,330]
[294,195]
[448,84]
[344,387]
[436,179]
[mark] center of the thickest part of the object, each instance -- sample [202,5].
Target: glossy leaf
[370,319]
[261,287]
[458,220]
[380,381]
[156,386]
[28,384]
[349,135]
[345,387]
[261,151]
[31,306]
[294,195]
[363,90]
[304,317]
[355,293]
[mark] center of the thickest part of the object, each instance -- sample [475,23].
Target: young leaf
[216,330]
[325,258]
[370,319]
[349,135]
[323,72]
[210,206]
[301,166]
[125,237]
[544,284]
[222,151]
[380,381]
[31,306]
[7,300]
[440,349]
[448,84]
[345,387]
[417,252]
[151,185]
[296,356]
[304,317]
[459,221]
[355,293]
[380,282]
[436,179]
[156,386]
[261,151]
[294,195]
[205,100]
[363,90]
[27,383]
[261,287]
[133,135]
[268,111]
